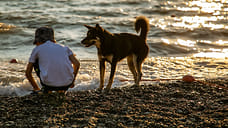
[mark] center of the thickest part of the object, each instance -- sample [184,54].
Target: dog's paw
[99,90]
[106,90]
[135,86]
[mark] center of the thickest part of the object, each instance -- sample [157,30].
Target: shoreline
[14,83]
[170,104]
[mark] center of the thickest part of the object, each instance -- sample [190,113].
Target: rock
[13,61]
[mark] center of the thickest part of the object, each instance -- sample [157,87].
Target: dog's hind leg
[138,65]
[132,66]
[113,69]
[102,73]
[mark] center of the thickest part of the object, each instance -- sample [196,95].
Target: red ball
[188,78]
[13,61]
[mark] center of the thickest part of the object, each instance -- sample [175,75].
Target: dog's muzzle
[88,43]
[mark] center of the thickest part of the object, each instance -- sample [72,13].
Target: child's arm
[76,65]
[29,76]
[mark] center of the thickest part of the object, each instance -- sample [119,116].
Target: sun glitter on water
[210,15]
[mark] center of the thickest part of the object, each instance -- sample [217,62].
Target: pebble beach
[185,38]
[163,104]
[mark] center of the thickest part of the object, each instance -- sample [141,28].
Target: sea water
[185,37]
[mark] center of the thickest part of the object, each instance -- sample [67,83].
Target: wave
[14,83]
[203,33]
[168,19]
[209,44]
[164,49]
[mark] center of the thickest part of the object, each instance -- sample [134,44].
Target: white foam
[88,77]
[91,82]
[83,82]
[16,89]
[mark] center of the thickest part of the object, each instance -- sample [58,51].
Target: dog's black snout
[83,41]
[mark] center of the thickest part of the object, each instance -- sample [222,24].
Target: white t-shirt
[54,63]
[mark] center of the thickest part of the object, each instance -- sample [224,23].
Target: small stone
[182,119]
[13,61]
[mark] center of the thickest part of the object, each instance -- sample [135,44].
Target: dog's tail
[142,23]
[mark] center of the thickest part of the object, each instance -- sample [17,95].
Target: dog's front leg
[102,73]
[113,69]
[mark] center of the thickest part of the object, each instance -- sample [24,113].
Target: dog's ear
[89,27]
[98,27]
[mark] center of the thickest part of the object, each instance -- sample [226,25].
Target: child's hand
[72,84]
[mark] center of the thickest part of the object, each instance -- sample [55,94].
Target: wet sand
[163,104]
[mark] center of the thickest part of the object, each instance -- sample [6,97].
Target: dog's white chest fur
[107,58]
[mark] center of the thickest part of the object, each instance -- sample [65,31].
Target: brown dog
[114,47]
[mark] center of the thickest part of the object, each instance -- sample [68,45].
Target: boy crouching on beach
[52,63]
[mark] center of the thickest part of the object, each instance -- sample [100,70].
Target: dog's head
[93,36]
